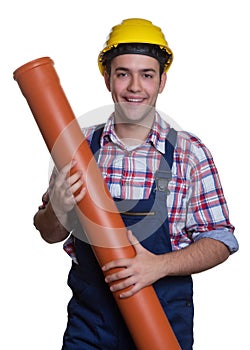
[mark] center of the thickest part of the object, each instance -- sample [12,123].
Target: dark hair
[152,50]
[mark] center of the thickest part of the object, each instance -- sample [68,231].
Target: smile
[136,100]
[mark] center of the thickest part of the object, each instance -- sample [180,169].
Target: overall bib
[94,320]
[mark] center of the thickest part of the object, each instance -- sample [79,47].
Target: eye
[122,74]
[148,76]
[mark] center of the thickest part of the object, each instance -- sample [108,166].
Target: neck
[134,132]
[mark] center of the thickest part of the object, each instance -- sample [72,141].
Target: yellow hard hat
[136,30]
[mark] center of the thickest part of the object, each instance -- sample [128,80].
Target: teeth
[135,99]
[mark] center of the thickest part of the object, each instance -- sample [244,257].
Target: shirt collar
[156,137]
[158,133]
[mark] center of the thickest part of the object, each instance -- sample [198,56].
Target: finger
[76,186]
[81,195]
[64,172]
[121,274]
[66,169]
[75,177]
[129,293]
[127,283]
[72,183]
[115,264]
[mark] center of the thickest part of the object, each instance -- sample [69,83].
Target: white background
[207,93]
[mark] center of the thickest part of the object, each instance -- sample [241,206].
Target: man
[166,187]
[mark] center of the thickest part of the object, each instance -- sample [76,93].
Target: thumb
[134,241]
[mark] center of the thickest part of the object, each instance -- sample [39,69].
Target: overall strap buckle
[162,179]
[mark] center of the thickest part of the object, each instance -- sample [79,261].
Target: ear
[107,80]
[163,82]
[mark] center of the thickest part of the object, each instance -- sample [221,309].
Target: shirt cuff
[223,236]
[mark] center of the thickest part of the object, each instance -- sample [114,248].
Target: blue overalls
[94,320]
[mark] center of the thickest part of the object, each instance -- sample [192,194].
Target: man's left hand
[135,273]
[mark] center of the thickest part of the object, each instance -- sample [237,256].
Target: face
[135,83]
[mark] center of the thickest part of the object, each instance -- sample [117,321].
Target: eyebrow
[144,70]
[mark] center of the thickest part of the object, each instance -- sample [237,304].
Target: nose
[134,84]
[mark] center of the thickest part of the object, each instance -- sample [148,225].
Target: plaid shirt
[196,206]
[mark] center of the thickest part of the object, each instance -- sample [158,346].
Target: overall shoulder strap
[164,174]
[170,146]
[95,141]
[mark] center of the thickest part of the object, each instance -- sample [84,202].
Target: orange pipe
[97,212]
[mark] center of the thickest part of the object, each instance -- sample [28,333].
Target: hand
[136,273]
[67,191]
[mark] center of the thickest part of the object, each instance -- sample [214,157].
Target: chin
[134,113]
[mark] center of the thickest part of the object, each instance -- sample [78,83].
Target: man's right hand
[67,191]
